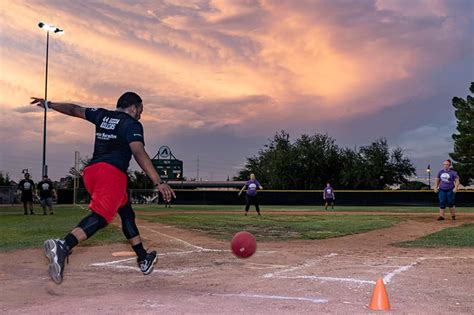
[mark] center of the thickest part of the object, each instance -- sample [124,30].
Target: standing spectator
[46,193]
[251,197]
[447,184]
[27,186]
[329,196]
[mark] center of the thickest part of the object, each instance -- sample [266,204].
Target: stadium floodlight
[50,28]
[56,30]
[428,170]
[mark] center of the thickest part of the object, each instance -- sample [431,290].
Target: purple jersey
[252,186]
[446,179]
[328,193]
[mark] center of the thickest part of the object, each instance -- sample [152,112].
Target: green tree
[138,180]
[352,174]
[463,154]
[378,168]
[4,179]
[274,164]
[310,162]
[317,159]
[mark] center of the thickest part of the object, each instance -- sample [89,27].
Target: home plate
[123,254]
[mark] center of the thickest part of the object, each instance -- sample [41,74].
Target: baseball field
[308,261]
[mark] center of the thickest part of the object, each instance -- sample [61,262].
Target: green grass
[19,231]
[462,236]
[265,208]
[277,227]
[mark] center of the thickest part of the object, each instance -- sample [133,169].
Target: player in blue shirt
[118,136]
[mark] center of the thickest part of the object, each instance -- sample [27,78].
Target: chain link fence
[8,195]
[136,196]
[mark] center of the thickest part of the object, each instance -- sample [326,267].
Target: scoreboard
[167,165]
[169,169]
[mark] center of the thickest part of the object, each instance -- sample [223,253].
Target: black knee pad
[127,215]
[92,223]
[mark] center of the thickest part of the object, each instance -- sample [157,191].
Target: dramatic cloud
[227,70]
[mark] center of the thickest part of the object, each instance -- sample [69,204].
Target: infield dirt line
[388,277]
[180,240]
[323,278]
[275,297]
[305,265]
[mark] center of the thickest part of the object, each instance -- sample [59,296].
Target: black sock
[71,241]
[140,251]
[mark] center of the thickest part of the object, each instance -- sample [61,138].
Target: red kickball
[243,244]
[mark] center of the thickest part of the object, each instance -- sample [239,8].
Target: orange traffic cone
[379,300]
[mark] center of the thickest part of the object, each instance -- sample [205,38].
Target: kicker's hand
[166,191]
[38,101]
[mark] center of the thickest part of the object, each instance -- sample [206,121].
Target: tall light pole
[428,170]
[48,28]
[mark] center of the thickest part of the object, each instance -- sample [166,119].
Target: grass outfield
[277,227]
[19,231]
[265,208]
[462,236]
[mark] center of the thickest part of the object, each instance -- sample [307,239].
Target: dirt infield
[197,274]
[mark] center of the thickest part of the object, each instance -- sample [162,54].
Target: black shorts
[26,197]
[329,200]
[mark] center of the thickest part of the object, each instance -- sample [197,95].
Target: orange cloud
[227,64]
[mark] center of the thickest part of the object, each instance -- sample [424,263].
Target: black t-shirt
[114,131]
[26,186]
[45,188]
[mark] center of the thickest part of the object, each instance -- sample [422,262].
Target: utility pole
[197,169]
[76,175]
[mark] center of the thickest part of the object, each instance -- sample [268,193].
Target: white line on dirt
[388,277]
[320,278]
[305,265]
[262,265]
[276,297]
[453,257]
[181,241]
[113,262]
[163,271]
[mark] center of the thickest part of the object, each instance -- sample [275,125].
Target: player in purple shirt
[329,196]
[251,196]
[447,184]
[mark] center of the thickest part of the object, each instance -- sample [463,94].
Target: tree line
[310,161]
[463,154]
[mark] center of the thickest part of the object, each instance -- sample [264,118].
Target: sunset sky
[218,78]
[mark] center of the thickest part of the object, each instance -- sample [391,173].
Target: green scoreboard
[167,165]
[169,169]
